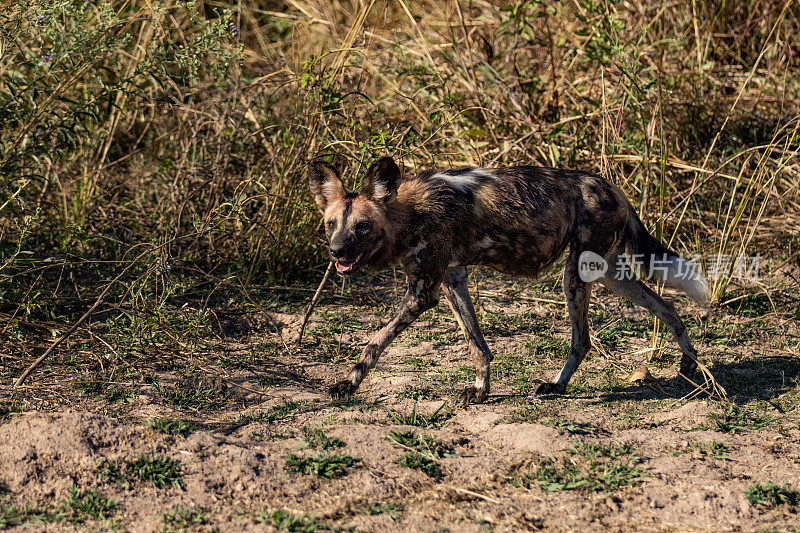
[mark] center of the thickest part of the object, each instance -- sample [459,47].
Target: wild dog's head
[355,223]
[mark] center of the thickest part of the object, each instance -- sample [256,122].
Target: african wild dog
[517,220]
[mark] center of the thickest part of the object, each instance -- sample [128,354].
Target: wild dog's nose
[337,252]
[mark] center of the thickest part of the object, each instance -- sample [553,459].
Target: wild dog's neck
[398,233]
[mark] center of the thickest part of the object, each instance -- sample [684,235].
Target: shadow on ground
[762,379]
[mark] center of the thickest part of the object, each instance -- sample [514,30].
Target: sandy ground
[507,465]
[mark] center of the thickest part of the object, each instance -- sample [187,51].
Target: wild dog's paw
[342,389]
[472,395]
[550,388]
[688,366]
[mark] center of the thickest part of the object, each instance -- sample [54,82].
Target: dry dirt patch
[255,444]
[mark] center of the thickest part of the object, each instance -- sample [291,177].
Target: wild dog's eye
[330,225]
[363,226]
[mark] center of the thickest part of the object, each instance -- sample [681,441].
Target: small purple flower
[234,29]
[47,57]
[40,20]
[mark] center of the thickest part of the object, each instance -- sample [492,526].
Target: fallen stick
[76,325]
[314,300]
[474,494]
[62,338]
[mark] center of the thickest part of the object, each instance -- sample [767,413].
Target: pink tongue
[342,266]
[347,266]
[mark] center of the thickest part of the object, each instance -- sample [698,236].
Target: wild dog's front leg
[455,286]
[420,297]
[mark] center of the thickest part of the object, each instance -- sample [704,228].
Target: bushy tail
[659,263]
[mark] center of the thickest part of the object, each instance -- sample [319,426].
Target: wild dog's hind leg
[630,287]
[578,293]
[457,293]
[421,296]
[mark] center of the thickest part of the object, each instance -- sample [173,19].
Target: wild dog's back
[520,219]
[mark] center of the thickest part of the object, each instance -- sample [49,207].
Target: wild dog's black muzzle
[338,252]
[347,256]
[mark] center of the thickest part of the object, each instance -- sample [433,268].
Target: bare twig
[710,386]
[77,324]
[66,334]
[314,299]
[473,494]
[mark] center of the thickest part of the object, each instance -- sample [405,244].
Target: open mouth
[345,267]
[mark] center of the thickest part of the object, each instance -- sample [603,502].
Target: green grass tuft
[772,495]
[14,515]
[592,467]
[180,518]
[315,437]
[420,462]
[290,522]
[281,411]
[390,509]
[322,464]
[736,419]
[714,450]
[110,392]
[170,426]
[420,393]
[415,418]
[159,470]
[195,395]
[571,427]
[424,444]
[88,503]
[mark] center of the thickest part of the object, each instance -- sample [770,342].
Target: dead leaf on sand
[640,375]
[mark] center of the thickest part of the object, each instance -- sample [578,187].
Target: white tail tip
[687,277]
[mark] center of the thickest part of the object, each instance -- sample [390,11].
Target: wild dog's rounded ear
[324,182]
[382,180]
